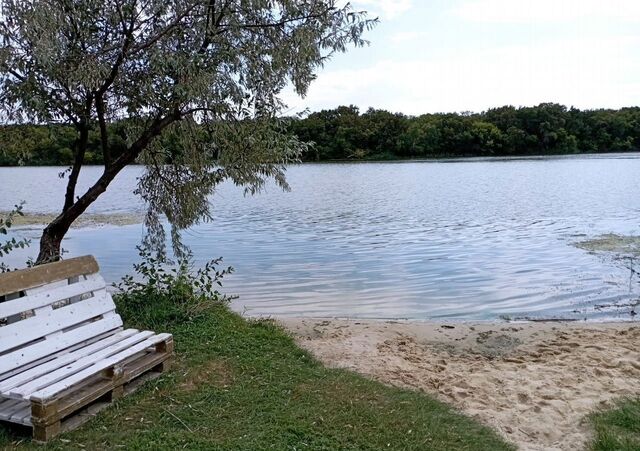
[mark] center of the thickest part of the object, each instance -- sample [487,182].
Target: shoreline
[533,382]
[627,319]
[445,158]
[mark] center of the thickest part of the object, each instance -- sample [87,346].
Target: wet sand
[535,383]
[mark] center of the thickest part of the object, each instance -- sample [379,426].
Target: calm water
[468,240]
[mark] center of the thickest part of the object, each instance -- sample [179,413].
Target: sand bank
[533,382]
[85,220]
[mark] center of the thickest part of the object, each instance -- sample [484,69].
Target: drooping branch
[55,231]
[89,61]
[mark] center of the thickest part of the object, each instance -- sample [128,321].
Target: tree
[487,138]
[384,131]
[203,73]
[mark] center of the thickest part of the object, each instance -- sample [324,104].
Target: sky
[428,56]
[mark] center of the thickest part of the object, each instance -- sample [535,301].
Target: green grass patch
[245,385]
[618,429]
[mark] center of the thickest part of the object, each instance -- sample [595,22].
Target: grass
[245,385]
[618,429]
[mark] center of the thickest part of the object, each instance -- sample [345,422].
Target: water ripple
[470,240]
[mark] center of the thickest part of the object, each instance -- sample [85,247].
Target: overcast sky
[470,55]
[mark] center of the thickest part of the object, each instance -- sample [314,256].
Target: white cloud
[586,73]
[405,36]
[386,9]
[553,11]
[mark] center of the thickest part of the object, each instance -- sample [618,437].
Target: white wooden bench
[63,351]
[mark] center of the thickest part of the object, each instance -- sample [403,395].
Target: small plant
[162,293]
[5,225]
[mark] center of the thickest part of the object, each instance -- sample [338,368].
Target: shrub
[163,293]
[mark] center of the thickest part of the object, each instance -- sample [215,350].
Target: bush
[163,293]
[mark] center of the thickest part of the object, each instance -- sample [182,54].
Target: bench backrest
[52,309]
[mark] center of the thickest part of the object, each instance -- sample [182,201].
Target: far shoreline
[445,158]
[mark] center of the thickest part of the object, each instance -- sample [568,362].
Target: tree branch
[154,130]
[104,139]
[287,21]
[212,22]
[149,42]
[80,151]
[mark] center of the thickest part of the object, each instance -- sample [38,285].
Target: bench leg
[116,393]
[46,433]
[46,423]
[162,367]
[166,347]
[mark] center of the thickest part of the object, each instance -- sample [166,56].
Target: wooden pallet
[63,351]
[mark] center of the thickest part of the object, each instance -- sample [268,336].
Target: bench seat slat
[45,323]
[65,359]
[22,416]
[15,281]
[6,406]
[15,407]
[53,390]
[94,282]
[54,345]
[18,408]
[16,411]
[53,377]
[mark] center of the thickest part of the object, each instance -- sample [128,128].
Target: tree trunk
[52,235]
[51,240]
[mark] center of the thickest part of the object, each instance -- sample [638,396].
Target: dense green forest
[344,133]
[42,145]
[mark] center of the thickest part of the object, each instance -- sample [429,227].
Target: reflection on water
[472,239]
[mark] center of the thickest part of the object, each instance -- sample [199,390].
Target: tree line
[549,128]
[345,133]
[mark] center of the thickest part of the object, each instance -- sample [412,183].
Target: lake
[464,239]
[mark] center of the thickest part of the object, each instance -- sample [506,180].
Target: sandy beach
[535,383]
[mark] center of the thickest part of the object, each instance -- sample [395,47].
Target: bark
[52,235]
[81,149]
[104,139]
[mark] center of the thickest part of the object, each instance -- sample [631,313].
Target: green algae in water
[619,245]
[85,220]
